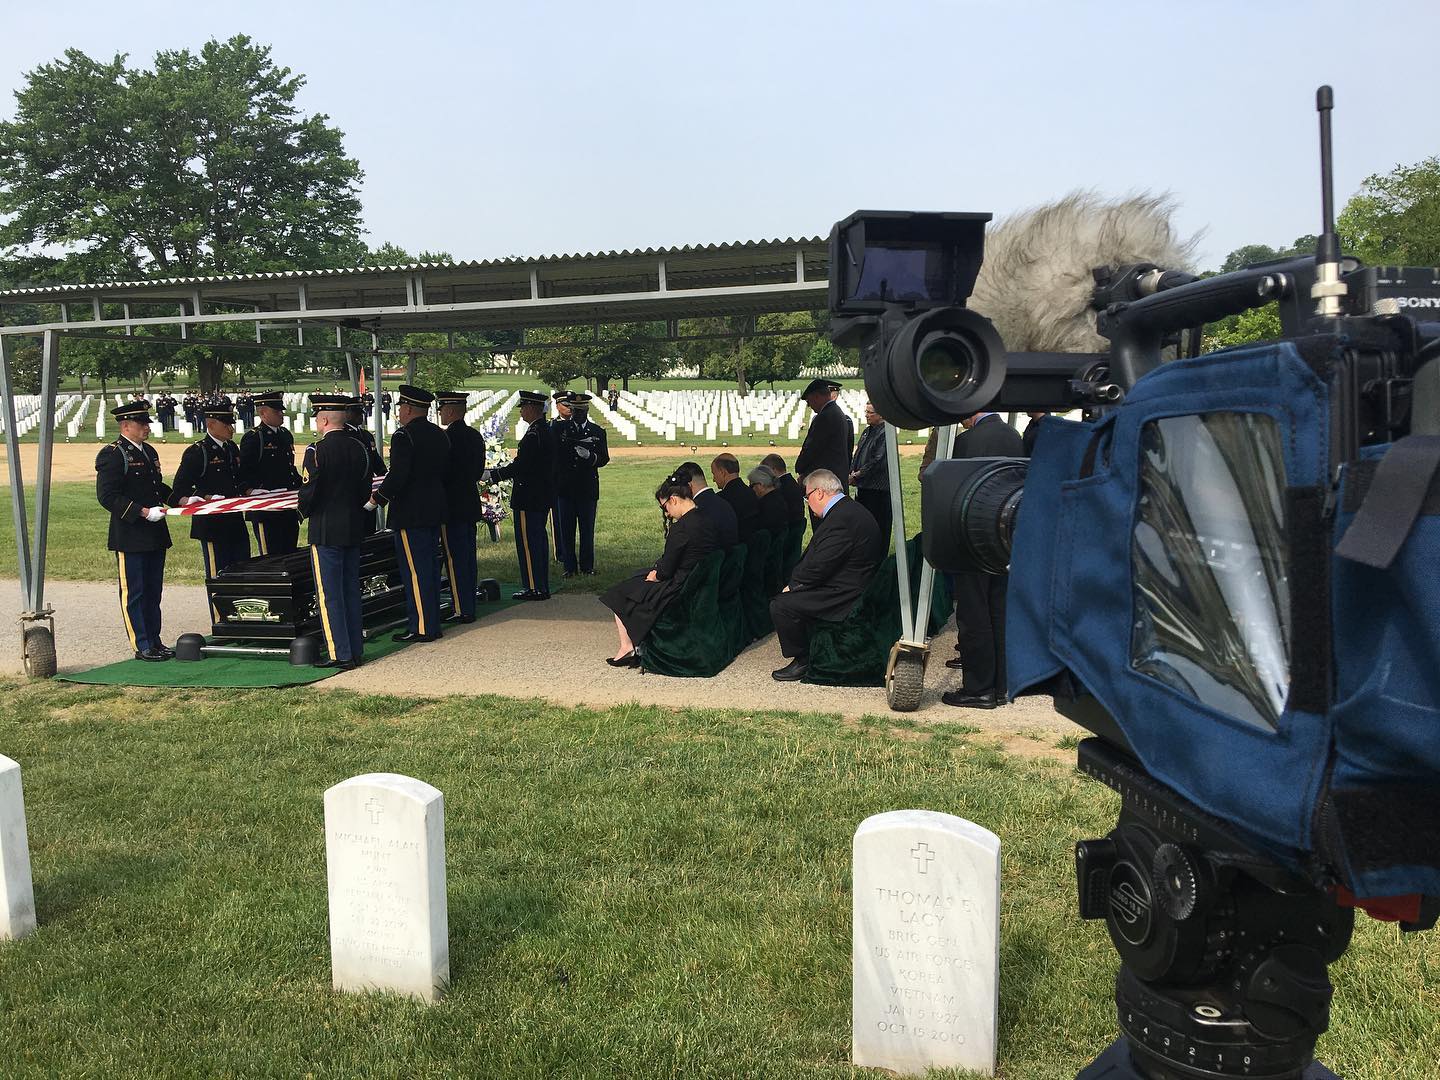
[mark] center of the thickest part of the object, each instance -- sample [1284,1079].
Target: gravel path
[553,650]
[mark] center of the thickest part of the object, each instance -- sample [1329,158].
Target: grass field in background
[633,892]
[627,529]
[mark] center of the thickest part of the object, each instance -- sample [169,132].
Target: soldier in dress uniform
[462,499]
[245,405]
[414,491]
[562,416]
[356,429]
[581,451]
[334,487]
[532,494]
[829,440]
[210,469]
[267,463]
[130,485]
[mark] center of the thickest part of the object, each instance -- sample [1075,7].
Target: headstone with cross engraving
[385,857]
[926,964]
[17,896]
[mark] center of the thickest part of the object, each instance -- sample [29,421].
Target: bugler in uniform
[335,484]
[210,469]
[414,492]
[267,463]
[531,497]
[462,497]
[130,485]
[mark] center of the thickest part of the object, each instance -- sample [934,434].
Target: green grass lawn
[633,892]
[627,531]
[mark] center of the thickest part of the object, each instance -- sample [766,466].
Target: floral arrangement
[495,496]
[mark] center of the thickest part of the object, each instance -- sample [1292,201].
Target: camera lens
[945,364]
[969,510]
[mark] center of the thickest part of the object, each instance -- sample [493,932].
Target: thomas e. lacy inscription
[926,943]
[385,857]
[17,896]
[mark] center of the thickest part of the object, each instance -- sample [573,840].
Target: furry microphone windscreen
[1035,284]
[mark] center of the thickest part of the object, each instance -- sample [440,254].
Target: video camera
[1226,572]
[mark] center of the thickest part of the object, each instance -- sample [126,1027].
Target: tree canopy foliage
[1394,220]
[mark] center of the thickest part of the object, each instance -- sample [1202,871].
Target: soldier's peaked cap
[139,411]
[533,398]
[563,395]
[330,402]
[821,386]
[578,398]
[269,398]
[452,397]
[415,395]
[224,412]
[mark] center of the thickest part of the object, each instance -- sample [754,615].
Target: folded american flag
[275,500]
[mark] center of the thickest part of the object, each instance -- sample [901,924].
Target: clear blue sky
[530,128]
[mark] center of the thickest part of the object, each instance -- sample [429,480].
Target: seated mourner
[638,601]
[720,512]
[725,471]
[772,502]
[831,575]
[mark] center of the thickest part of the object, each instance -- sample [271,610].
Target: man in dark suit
[462,501]
[785,484]
[130,486]
[532,495]
[1032,432]
[830,440]
[334,488]
[831,575]
[209,470]
[581,451]
[980,598]
[870,471]
[267,463]
[720,512]
[772,506]
[414,492]
[725,471]
[356,429]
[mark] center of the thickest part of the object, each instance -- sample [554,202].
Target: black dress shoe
[568,574]
[955,662]
[793,671]
[461,619]
[529,594]
[154,655]
[340,665]
[415,637]
[963,699]
[588,573]
[630,659]
[169,652]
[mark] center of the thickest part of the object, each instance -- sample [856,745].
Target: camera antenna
[1328,289]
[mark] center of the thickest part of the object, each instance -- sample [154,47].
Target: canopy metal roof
[744,278]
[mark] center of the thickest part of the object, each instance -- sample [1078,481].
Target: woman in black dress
[638,601]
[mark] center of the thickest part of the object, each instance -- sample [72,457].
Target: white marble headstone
[385,857]
[17,896]
[926,959]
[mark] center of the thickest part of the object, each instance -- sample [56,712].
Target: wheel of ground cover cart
[304,651]
[905,682]
[188,646]
[489,590]
[39,652]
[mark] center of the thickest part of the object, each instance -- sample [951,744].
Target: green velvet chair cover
[754,600]
[732,606]
[854,651]
[794,546]
[690,639]
[773,563]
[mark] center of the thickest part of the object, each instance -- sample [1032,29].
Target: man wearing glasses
[830,576]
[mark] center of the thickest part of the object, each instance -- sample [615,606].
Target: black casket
[273,597]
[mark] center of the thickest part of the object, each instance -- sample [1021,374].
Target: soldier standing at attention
[581,451]
[334,488]
[462,499]
[829,440]
[563,555]
[209,470]
[414,491]
[531,497]
[356,429]
[267,463]
[129,484]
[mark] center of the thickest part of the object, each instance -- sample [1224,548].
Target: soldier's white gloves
[582,453]
[215,498]
[370,504]
[154,513]
[191,500]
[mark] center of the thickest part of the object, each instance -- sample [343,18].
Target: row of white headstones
[926,915]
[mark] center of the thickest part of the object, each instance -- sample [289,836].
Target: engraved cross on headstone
[376,808]
[923,857]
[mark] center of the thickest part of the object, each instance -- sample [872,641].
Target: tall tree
[1394,220]
[200,164]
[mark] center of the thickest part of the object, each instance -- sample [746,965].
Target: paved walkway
[553,650]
